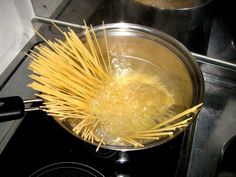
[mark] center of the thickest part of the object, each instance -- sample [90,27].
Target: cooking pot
[189,21]
[168,59]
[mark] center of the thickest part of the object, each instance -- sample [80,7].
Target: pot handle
[12,108]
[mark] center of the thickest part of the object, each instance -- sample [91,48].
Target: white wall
[15,29]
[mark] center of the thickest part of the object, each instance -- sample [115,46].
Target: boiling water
[134,99]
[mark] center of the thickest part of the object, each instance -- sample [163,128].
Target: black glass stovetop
[40,141]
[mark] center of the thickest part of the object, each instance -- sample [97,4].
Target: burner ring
[66,169]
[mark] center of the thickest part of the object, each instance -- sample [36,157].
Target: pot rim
[201,5]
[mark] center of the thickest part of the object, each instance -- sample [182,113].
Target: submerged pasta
[130,103]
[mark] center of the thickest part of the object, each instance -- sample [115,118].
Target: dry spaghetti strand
[164,129]
[68,76]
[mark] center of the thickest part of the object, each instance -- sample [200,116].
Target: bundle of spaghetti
[68,75]
[74,79]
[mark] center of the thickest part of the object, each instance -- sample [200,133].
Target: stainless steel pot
[169,59]
[173,64]
[189,21]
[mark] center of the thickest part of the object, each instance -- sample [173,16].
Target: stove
[41,143]
[41,147]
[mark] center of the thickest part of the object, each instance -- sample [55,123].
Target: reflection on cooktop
[64,169]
